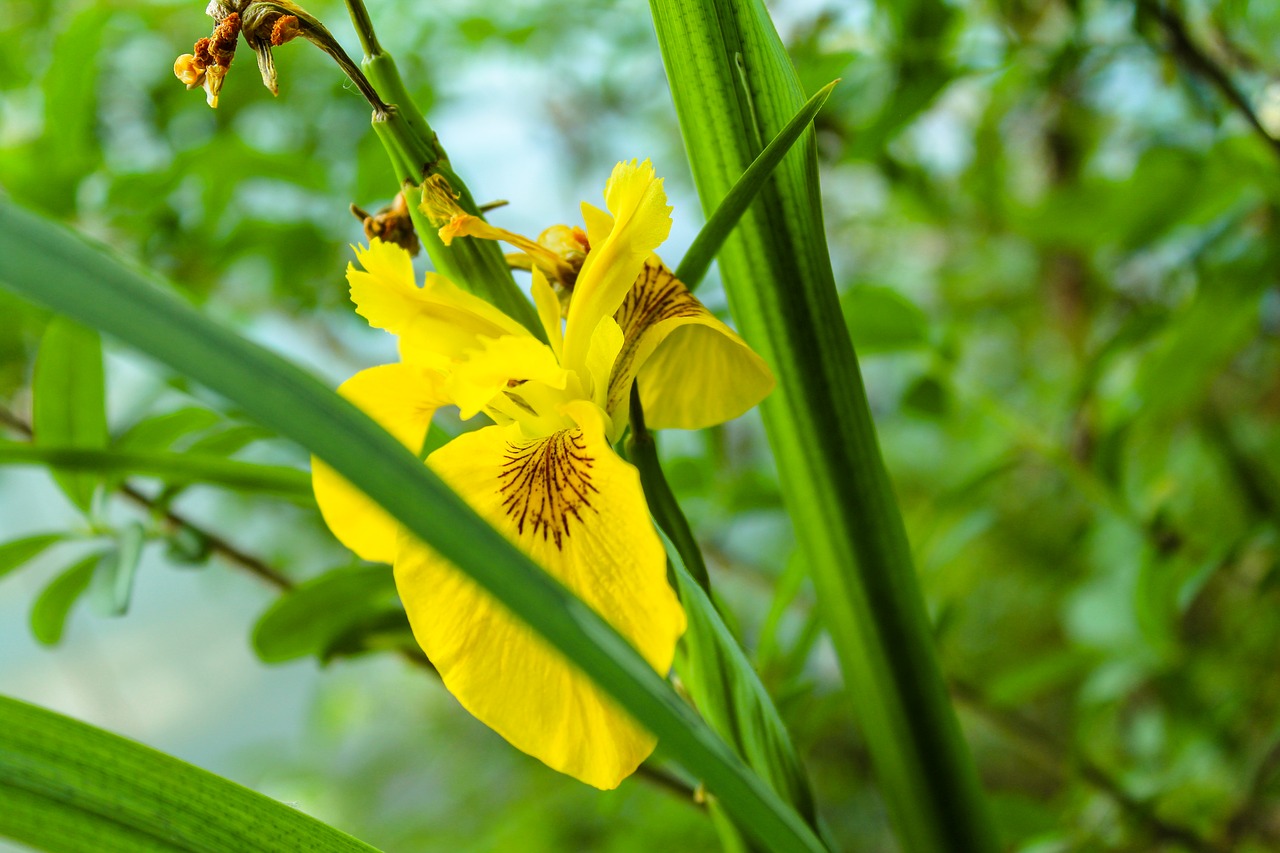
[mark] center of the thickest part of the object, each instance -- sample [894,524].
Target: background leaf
[53,605]
[69,409]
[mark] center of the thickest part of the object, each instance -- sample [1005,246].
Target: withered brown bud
[391,224]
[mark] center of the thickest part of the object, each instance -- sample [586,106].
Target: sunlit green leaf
[68,786]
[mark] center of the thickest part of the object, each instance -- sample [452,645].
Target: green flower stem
[469,262]
[734,88]
[642,450]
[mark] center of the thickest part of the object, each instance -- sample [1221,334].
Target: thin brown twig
[1198,62]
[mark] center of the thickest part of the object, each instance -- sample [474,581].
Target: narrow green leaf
[69,406]
[735,88]
[231,440]
[702,251]
[161,432]
[276,480]
[310,618]
[56,269]
[112,585]
[17,553]
[729,694]
[71,787]
[51,607]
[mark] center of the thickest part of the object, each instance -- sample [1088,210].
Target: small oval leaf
[51,607]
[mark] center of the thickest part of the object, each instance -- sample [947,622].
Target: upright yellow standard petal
[402,398]
[577,509]
[694,371]
[641,221]
[435,323]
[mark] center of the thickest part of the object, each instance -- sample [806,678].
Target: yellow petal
[436,323]
[544,297]
[641,221]
[520,369]
[402,398]
[577,509]
[694,371]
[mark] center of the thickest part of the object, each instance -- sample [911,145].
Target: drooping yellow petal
[436,323]
[577,509]
[694,371]
[641,221]
[402,398]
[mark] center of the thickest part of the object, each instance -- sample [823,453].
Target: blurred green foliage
[1056,238]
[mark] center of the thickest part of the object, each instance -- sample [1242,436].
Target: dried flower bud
[391,224]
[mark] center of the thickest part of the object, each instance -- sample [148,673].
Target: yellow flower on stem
[545,474]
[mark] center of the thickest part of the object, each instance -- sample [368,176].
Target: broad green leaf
[729,694]
[309,619]
[883,320]
[70,787]
[17,553]
[51,607]
[734,88]
[697,259]
[275,480]
[56,269]
[161,432]
[69,405]
[112,585]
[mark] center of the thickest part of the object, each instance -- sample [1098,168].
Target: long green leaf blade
[702,251]
[52,267]
[69,400]
[276,480]
[68,786]
[734,87]
[731,697]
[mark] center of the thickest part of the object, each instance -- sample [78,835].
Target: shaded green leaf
[112,585]
[51,608]
[882,320]
[312,618]
[69,405]
[71,787]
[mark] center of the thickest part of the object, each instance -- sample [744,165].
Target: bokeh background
[1054,226]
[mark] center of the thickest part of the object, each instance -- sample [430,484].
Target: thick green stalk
[416,154]
[734,88]
[642,452]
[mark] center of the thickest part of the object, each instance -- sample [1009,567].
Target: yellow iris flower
[545,473]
